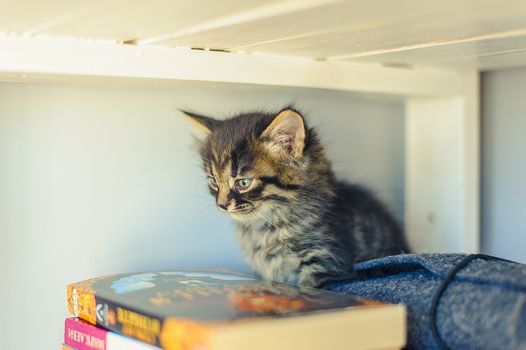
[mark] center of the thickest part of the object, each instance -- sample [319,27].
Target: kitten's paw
[311,278]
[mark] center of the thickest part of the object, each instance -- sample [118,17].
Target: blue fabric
[482,307]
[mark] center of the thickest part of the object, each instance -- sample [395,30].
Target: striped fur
[295,222]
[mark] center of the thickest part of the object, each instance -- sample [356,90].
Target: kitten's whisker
[202,211]
[203,197]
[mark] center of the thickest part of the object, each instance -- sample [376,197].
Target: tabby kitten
[295,222]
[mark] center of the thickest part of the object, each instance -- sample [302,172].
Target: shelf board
[483,34]
[52,58]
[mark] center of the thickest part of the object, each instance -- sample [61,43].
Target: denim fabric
[483,306]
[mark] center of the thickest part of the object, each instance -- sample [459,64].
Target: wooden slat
[352,29]
[502,50]
[117,20]
[19,17]
[248,19]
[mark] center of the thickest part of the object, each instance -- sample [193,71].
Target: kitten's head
[259,163]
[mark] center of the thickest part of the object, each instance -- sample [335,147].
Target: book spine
[81,300]
[128,321]
[83,336]
[164,333]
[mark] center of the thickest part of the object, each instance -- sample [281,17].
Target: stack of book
[210,310]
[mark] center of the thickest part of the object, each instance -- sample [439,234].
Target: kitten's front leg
[313,275]
[318,265]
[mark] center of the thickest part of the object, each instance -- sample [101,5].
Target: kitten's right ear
[204,124]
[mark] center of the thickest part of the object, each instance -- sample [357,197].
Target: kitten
[295,222]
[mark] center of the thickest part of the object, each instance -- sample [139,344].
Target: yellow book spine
[81,299]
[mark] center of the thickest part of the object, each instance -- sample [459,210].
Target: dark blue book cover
[156,307]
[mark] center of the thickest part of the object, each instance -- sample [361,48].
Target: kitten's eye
[244,183]
[212,182]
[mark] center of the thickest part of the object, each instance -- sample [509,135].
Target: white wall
[98,180]
[504,164]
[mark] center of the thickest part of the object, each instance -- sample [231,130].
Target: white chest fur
[269,254]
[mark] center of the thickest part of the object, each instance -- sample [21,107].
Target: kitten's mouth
[242,212]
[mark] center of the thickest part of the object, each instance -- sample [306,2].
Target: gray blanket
[453,301]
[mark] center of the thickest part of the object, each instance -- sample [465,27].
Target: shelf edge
[22,57]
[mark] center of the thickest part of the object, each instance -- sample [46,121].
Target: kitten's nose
[222,200]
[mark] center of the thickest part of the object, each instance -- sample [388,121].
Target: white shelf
[474,34]
[55,59]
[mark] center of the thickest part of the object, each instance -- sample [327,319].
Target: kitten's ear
[204,124]
[286,133]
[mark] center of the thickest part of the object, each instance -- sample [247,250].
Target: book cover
[81,335]
[180,310]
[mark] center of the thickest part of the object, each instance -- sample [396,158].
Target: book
[216,310]
[81,335]
[66,347]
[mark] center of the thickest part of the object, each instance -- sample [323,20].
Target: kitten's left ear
[205,124]
[286,133]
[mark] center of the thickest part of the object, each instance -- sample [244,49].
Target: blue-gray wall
[504,163]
